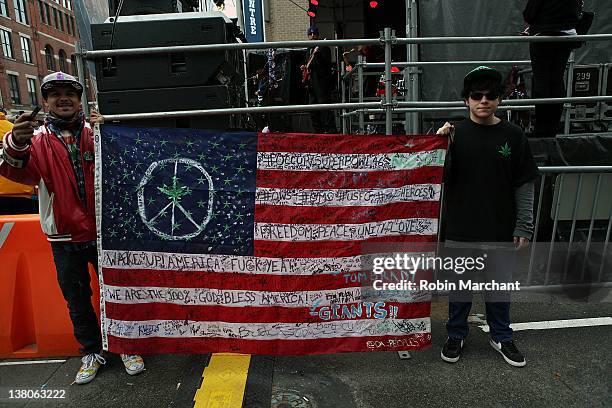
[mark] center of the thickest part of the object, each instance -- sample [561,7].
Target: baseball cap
[482,72]
[59,79]
[312,30]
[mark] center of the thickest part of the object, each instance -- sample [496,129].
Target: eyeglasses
[477,96]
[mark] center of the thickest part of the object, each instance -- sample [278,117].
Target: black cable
[115,23]
[297,5]
[109,60]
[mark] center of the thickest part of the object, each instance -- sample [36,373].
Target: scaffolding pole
[341,43]
[81,73]
[388,34]
[411,71]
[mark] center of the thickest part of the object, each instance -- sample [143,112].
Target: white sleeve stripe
[11,143]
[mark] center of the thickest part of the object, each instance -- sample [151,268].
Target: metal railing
[570,253]
[388,104]
[411,123]
[598,208]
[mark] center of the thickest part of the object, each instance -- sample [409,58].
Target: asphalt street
[566,367]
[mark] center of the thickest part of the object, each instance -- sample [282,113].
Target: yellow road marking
[224,381]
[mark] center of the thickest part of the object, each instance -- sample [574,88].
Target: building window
[62,60]
[69,4]
[56,17]
[25,49]
[43,16]
[14,89]
[20,11]
[4,8]
[7,44]
[68,27]
[48,13]
[61,19]
[32,91]
[72,26]
[49,58]
[73,63]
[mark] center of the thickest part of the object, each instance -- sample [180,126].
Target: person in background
[489,193]
[318,78]
[548,59]
[369,53]
[59,158]
[15,198]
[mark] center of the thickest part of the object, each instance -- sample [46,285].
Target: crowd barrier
[34,319]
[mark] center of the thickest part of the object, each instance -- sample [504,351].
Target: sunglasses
[477,96]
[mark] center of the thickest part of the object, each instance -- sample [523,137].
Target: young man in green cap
[489,198]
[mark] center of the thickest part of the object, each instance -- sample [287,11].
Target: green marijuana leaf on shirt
[505,150]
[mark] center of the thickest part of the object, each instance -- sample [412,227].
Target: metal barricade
[581,204]
[560,177]
[570,253]
[388,104]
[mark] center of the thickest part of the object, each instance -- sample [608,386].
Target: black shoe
[509,352]
[451,350]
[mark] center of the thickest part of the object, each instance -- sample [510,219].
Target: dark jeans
[548,61]
[71,262]
[499,266]
[498,319]
[322,121]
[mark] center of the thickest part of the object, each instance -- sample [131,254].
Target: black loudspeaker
[174,99]
[224,122]
[163,100]
[131,7]
[173,69]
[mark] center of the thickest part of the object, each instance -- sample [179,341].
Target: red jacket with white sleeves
[46,163]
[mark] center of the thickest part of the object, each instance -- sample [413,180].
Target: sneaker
[89,369]
[509,352]
[452,350]
[133,363]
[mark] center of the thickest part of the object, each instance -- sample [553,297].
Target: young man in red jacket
[59,158]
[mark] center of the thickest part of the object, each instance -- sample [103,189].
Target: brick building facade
[37,37]
[285,21]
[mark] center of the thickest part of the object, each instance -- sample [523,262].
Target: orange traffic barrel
[34,320]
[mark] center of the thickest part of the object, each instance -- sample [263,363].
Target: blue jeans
[71,264]
[499,267]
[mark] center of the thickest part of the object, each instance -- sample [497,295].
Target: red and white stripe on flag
[319,199]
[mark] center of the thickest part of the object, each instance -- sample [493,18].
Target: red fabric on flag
[320,200]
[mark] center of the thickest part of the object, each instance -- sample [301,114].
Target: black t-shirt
[487,163]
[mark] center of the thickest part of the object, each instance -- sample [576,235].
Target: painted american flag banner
[214,241]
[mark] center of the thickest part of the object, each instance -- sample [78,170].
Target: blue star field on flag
[178,190]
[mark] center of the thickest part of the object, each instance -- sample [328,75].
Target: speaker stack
[172,81]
